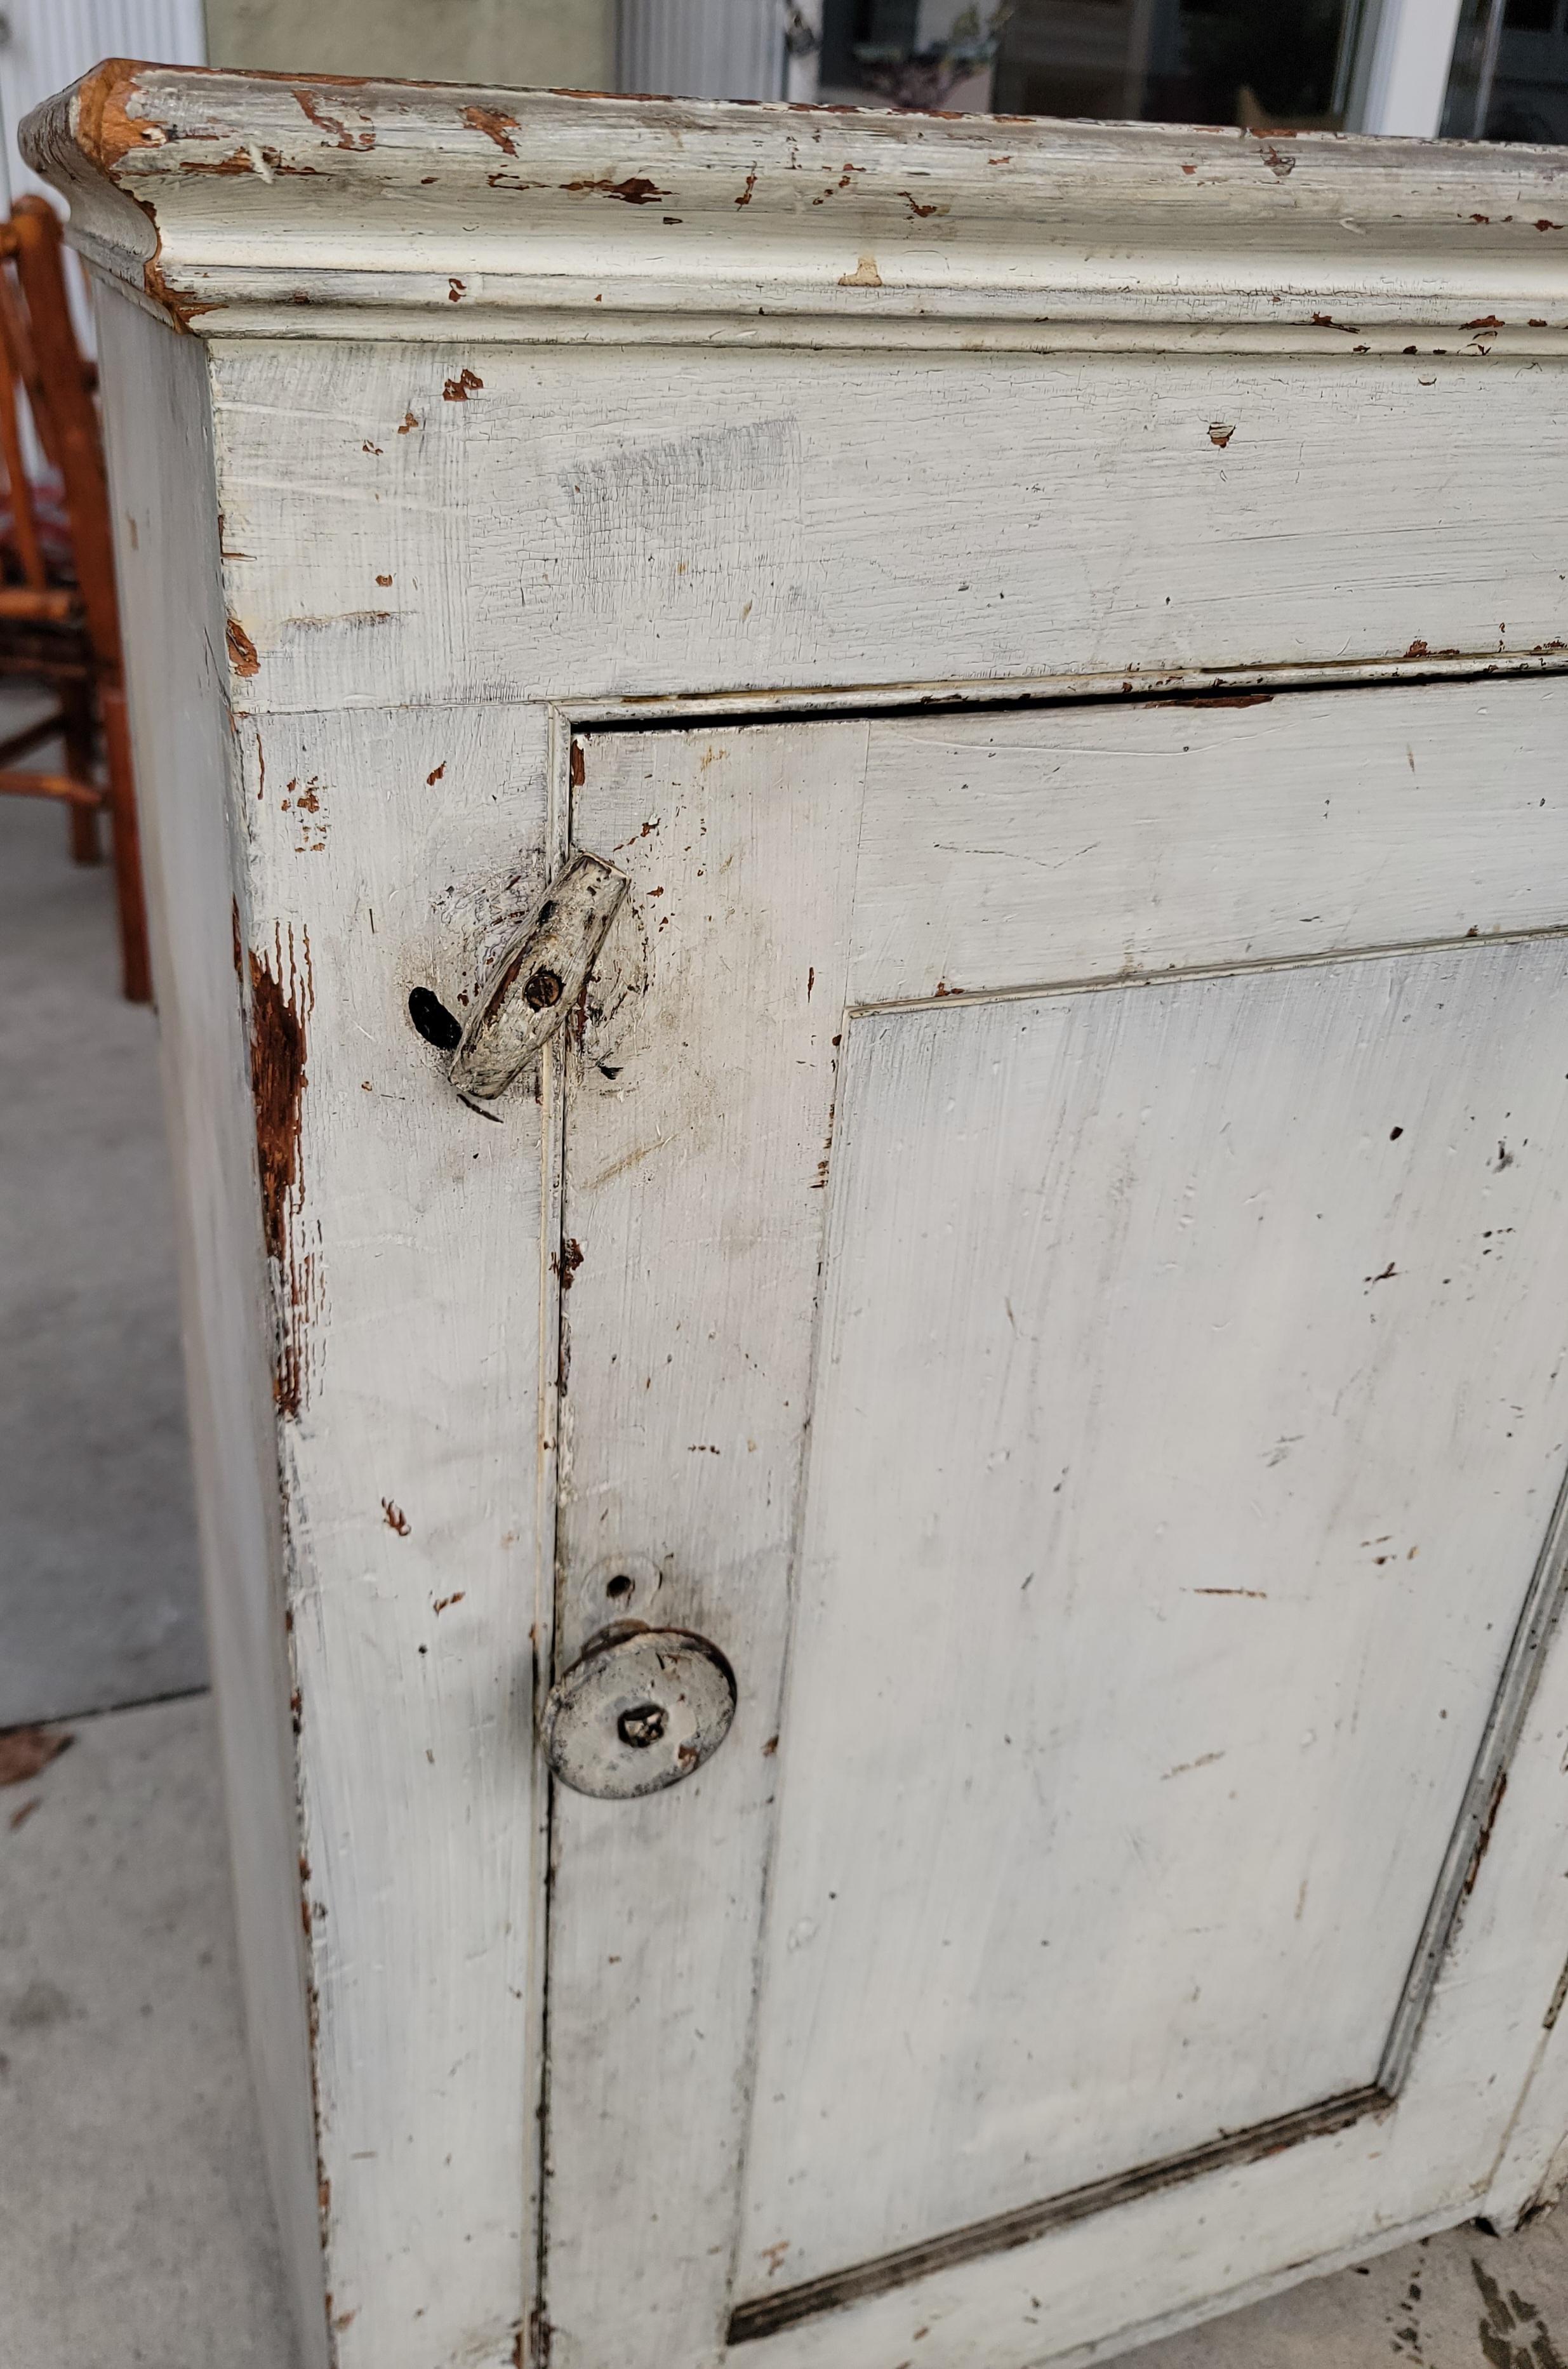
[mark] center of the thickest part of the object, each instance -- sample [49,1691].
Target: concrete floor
[134,2223]
[98,1589]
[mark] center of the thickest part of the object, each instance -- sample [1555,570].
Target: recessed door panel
[1113,1433]
[1188,1424]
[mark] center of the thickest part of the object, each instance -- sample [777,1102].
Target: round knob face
[643,1709]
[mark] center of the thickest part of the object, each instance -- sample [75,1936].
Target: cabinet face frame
[214,204]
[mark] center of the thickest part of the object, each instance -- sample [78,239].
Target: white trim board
[422,212]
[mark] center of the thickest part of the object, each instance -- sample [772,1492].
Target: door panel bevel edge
[1540,1615]
[767,2315]
[1177,974]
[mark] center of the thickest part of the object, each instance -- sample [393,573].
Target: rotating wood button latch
[542,969]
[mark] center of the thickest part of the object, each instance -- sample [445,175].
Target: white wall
[549,44]
[48,42]
[1401,73]
[702,49]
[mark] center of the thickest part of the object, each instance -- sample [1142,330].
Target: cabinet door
[1064,1220]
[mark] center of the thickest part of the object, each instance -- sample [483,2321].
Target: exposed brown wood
[39,359]
[280,998]
[50,785]
[23,525]
[72,417]
[53,608]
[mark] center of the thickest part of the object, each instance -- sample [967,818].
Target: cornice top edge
[193,185]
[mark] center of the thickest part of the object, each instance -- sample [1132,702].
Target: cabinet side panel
[166,539]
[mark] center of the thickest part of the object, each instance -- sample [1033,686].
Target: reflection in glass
[1510,71]
[1264,63]
[1270,64]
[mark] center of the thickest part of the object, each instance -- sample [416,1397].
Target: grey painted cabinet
[859,839]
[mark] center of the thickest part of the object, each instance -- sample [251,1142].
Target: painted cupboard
[858,831]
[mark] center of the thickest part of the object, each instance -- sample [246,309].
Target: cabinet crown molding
[248,205]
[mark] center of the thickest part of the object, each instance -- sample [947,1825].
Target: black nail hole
[606,1072]
[642,1725]
[621,1586]
[435,1024]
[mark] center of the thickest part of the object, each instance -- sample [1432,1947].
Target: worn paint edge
[791,703]
[1362,2250]
[1177,974]
[282,997]
[526,309]
[962,695]
[1003,2233]
[840,1086]
[1174,191]
[553,1417]
[1539,1617]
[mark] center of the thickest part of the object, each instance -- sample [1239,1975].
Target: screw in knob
[640,1709]
[643,1724]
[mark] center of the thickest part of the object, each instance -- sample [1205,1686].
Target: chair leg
[135,969]
[80,748]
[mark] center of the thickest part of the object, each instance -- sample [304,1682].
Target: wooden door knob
[642,1709]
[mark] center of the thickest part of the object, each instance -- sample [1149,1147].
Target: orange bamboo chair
[59,617]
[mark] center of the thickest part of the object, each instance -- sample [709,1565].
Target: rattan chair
[59,618]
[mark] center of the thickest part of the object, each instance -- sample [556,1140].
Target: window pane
[1258,62]
[1267,63]
[1510,71]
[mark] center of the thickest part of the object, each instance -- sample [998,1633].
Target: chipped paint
[494,125]
[310,104]
[242,649]
[635,190]
[1483,1839]
[105,126]
[147,127]
[280,999]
